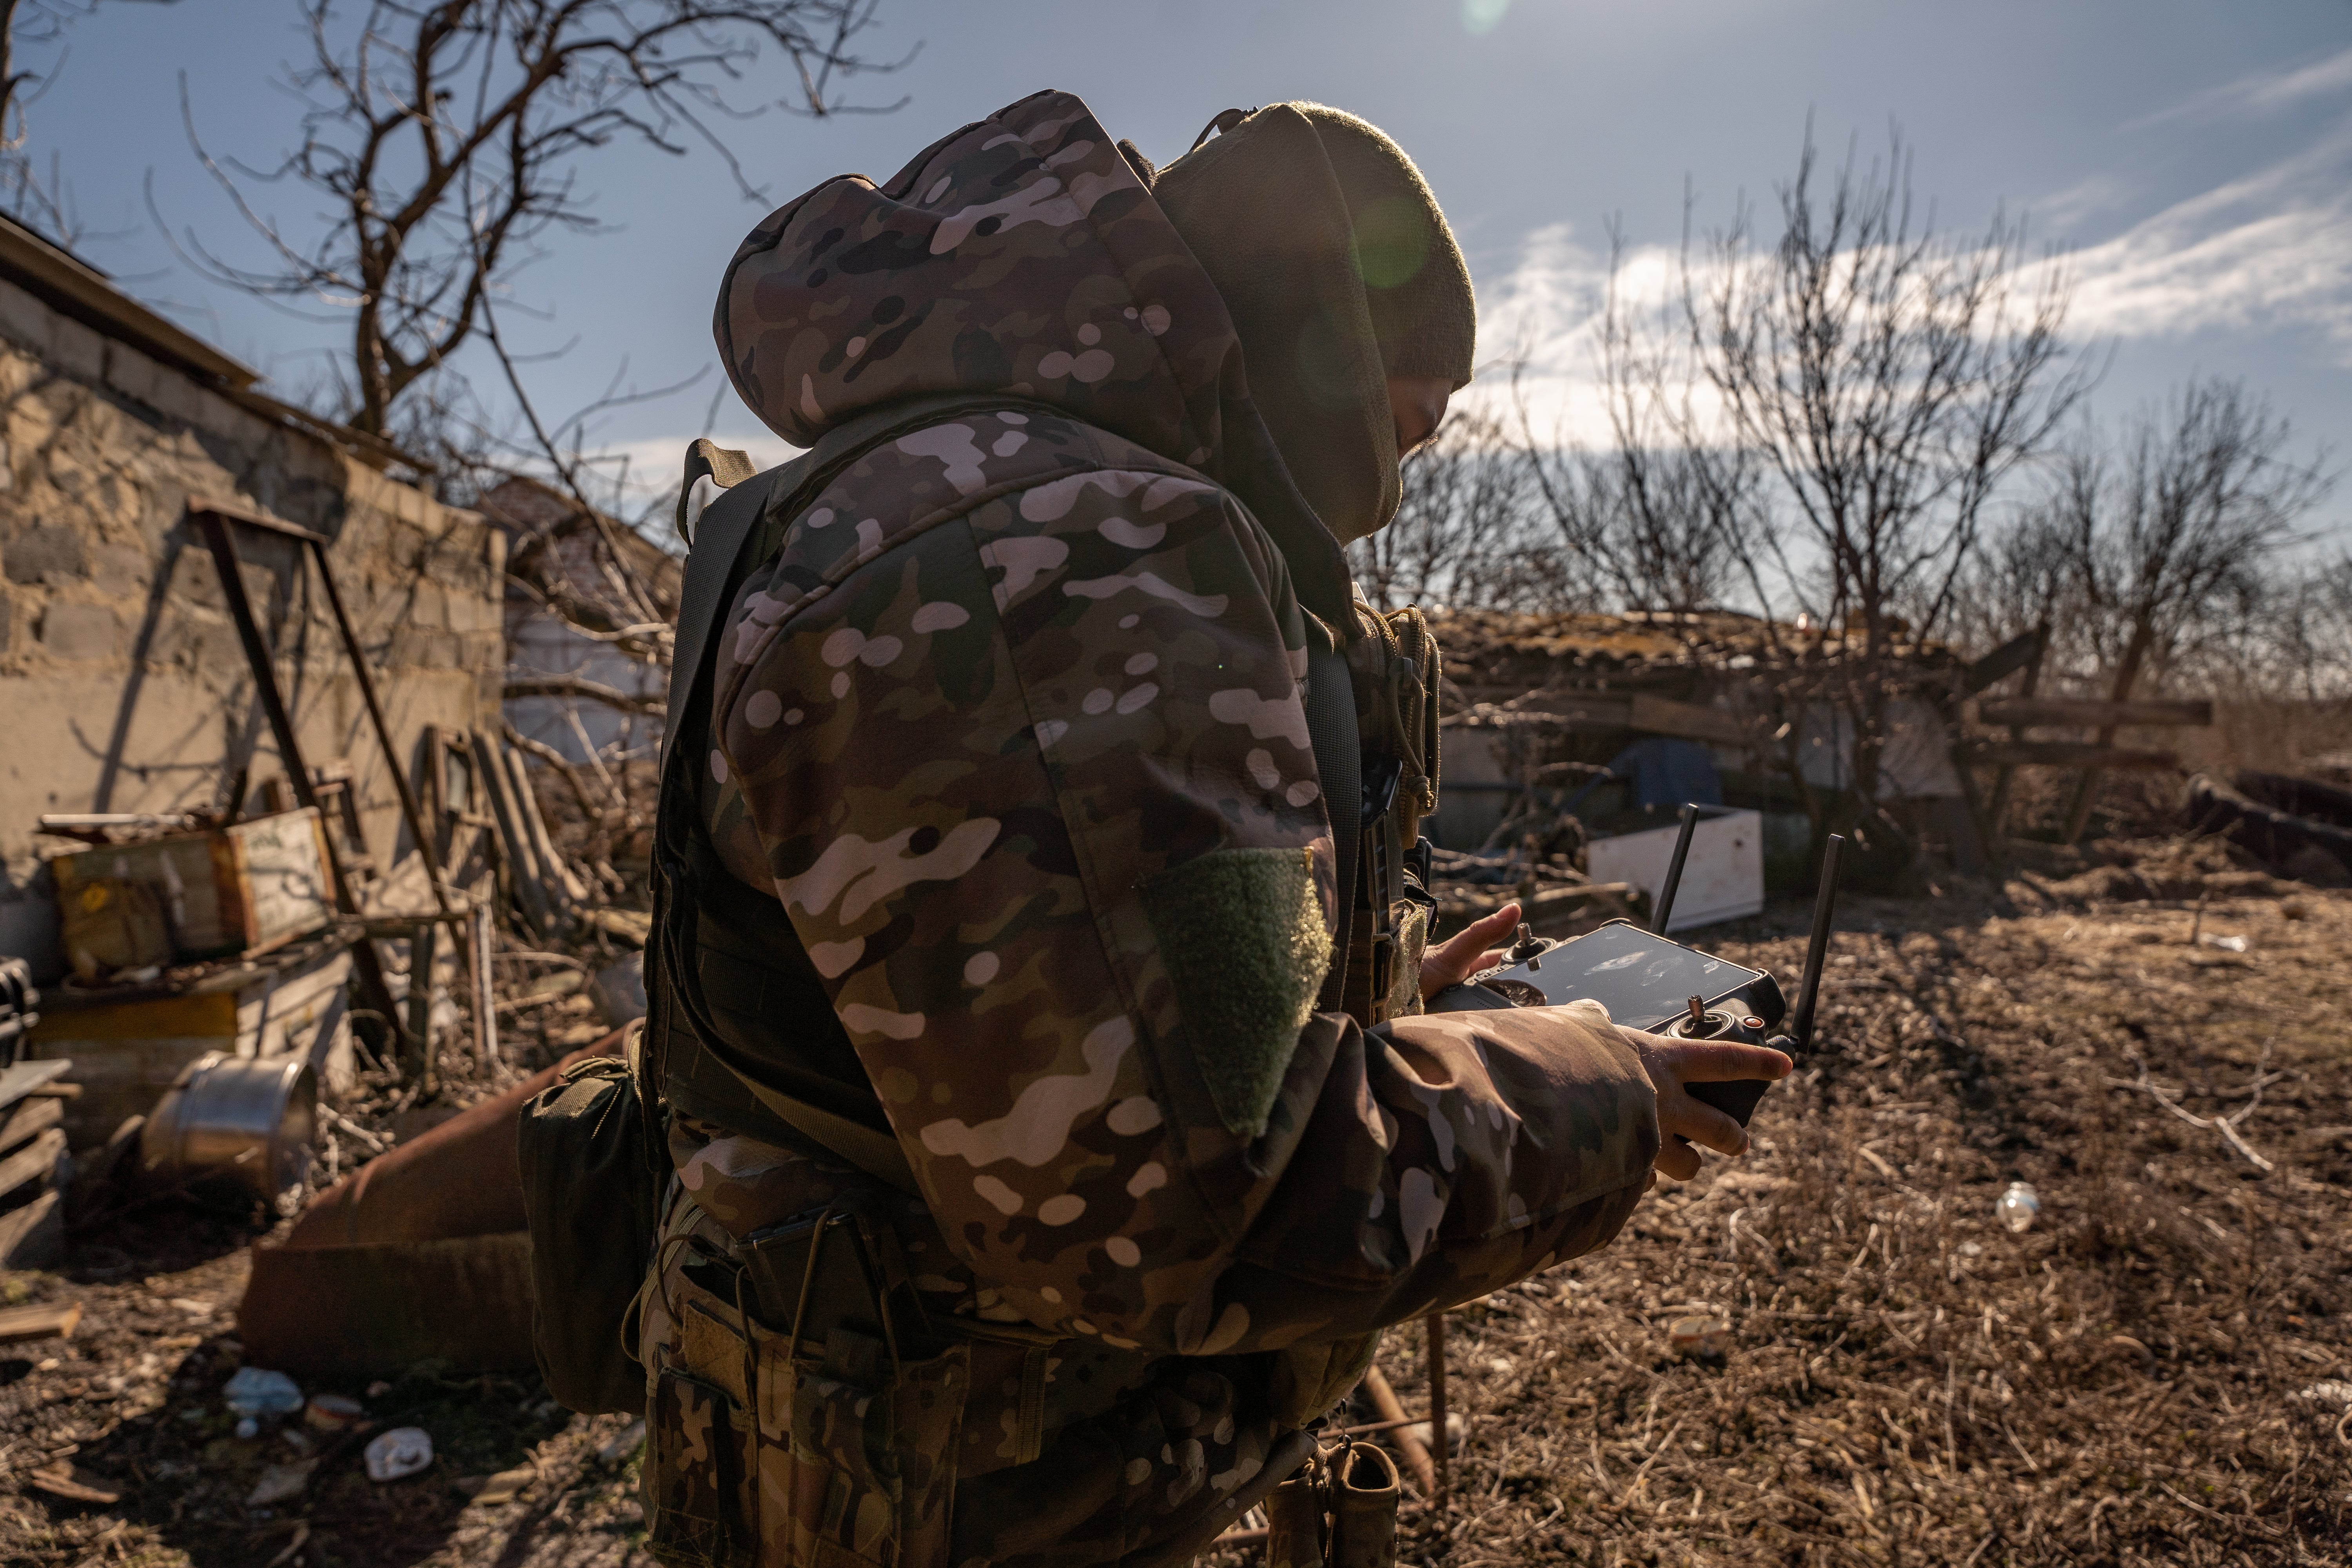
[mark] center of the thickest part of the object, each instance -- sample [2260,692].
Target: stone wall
[122,684]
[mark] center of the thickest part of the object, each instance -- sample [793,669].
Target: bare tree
[1663,518]
[1888,380]
[2187,511]
[1469,531]
[2168,539]
[39,26]
[447,139]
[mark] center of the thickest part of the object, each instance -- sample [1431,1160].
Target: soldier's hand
[1468,950]
[1684,1120]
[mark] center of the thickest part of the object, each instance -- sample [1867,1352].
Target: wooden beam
[29,1120]
[2010,657]
[2090,713]
[1689,721]
[39,1323]
[2061,754]
[33,1162]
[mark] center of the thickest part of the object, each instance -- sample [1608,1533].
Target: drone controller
[1647,981]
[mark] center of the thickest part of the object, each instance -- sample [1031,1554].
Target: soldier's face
[1418,403]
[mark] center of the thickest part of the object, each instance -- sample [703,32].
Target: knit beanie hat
[1339,271]
[1416,284]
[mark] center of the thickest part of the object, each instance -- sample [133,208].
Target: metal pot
[249,1120]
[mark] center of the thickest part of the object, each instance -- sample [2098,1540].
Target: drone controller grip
[1736,1100]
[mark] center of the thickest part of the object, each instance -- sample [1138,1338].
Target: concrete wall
[122,684]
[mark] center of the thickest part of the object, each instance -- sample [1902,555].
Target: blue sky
[2195,159]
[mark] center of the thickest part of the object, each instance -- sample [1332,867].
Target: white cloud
[2260,93]
[2271,250]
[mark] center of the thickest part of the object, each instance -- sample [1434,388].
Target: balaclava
[1339,272]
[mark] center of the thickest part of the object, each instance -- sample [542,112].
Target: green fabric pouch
[593,1205]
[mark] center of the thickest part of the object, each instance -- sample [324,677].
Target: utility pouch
[839,1267]
[592,1206]
[1384,962]
[844,1441]
[701,1493]
[869,1467]
[1339,1511]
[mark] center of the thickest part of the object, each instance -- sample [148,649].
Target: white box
[1723,879]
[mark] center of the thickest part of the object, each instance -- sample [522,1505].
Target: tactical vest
[741,1031]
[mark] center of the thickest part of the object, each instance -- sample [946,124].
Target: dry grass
[1909,1382]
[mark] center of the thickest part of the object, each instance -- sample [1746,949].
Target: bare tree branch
[446,137]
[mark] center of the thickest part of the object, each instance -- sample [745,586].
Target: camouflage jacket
[1013,726]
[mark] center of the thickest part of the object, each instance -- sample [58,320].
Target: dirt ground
[2159,1370]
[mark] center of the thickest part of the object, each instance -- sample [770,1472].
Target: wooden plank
[29,1120]
[36,1159]
[17,1081]
[522,861]
[1690,721]
[2061,754]
[33,1236]
[39,1323]
[2092,713]
[567,888]
[2007,659]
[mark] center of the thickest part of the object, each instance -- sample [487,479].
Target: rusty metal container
[248,1120]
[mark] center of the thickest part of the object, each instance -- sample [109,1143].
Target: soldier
[1055,1121]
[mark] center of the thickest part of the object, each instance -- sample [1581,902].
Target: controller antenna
[1674,868]
[1801,1030]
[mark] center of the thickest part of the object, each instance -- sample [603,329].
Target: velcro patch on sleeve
[1241,933]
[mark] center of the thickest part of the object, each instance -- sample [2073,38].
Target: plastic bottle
[2019,1207]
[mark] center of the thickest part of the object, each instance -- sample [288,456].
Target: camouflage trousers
[981,1443]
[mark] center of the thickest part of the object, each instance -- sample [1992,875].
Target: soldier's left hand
[1467,952]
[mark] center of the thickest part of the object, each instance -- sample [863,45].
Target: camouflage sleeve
[1033,783]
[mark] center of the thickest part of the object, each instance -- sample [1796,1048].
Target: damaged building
[1566,733]
[134,454]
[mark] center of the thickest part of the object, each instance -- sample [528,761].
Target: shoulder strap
[871,1150]
[719,538]
[1338,762]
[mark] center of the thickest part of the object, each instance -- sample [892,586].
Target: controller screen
[1643,980]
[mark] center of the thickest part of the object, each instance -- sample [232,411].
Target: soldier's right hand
[1684,1120]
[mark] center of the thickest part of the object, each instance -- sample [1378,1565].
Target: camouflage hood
[1019,256]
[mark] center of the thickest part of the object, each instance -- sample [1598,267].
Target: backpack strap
[1332,734]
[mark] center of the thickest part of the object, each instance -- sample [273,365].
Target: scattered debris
[2227,1126]
[2334,1393]
[280,1483]
[76,1485]
[630,1440]
[506,1486]
[620,991]
[1701,1338]
[403,1451]
[255,1392]
[1457,1429]
[334,1412]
